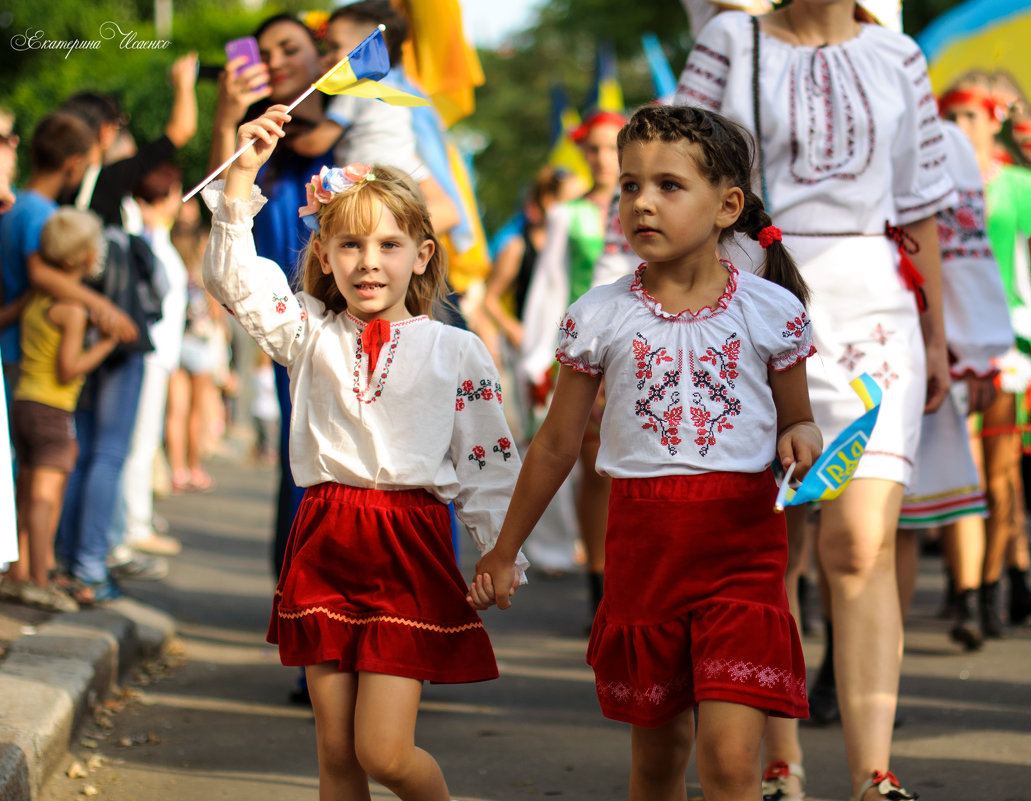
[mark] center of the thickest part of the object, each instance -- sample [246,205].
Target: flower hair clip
[329,182]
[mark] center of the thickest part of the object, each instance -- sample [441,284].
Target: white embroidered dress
[689,393]
[429,416]
[852,139]
[945,484]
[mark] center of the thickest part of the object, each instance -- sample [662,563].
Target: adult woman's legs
[659,758]
[857,550]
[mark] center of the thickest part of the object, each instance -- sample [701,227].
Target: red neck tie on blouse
[375,335]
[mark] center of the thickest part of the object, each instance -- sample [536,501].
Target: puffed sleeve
[704,79]
[254,289]
[583,334]
[547,295]
[977,322]
[920,180]
[483,450]
[778,326]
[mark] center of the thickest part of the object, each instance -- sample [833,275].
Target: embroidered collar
[360,323]
[686,316]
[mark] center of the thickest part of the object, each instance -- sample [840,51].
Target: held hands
[800,444]
[494,573]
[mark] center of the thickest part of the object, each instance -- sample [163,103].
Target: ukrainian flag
[359,73]
[663,79]
[564,152]
[833,470]
[978,34]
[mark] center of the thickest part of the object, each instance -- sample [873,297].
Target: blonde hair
[353,211]
[68,237]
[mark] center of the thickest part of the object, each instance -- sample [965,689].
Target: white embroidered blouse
[428,415]
[686,393]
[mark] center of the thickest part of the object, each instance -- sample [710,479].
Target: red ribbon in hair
[911,276]
[971,97]
[769,235]
[375,335]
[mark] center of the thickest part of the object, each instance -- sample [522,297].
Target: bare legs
[729,736]
[365,727]
[857,550]
[40,495]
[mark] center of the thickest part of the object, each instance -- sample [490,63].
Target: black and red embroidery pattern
[478,455]
[851,357]
[568,329]
[279,302]
[365,396]
[834,128]
[504,447]
[795,329]
[469,392]
[712,404]
[885,375]
[660,407]
[961,229]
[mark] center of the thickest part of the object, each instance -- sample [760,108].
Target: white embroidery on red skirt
[663,421]
[625,693]
[766,676]
[710,422]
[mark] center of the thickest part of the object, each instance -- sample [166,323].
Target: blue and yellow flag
[359,73]
[833,470]
[663,79]
[607,93]
[978,34]
[564,153]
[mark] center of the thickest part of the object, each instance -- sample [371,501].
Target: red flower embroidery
[487,390]
[459,404]
[477,456]
[504,447]
[280,303]
[467,386]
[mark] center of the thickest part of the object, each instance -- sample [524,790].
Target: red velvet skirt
[694,606]
[370,582]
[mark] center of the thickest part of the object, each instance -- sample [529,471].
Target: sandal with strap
[776,781]
[887,785]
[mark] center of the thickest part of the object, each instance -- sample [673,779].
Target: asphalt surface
[212,719]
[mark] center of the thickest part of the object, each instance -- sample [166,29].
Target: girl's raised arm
[549,459]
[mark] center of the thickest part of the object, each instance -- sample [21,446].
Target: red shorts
[695,607]
[370,582]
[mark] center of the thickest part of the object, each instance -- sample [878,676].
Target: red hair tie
[769,235]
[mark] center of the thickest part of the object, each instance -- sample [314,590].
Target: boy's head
[72,240]
[350,24]
[62,143]
[101,112]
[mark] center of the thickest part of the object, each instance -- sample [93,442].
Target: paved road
[217,725]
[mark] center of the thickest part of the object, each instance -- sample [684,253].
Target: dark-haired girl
[852,150]
[705,378]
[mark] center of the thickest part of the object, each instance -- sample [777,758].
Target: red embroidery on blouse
[504,447]
[468,391]
[363,394]
[796,328]
[661,414]
[712,402]
[477,455]
[279,303]
[880,335]
[686,316]
[568,329]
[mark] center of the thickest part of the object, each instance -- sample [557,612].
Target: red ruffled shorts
[694,606]
[370,582]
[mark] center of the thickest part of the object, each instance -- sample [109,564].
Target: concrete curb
[49,680]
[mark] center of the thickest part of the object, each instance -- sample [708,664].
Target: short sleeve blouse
[686,393]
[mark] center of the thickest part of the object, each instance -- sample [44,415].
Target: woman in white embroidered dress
[850,141]
[705,382]
[394,415]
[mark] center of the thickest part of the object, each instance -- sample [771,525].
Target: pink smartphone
[246,46]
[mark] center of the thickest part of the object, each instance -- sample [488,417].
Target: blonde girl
[394,415]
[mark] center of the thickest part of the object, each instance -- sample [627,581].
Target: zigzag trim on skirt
[359,621]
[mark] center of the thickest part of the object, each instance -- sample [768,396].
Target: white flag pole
[218,170]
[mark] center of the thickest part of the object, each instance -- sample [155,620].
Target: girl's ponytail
[778,266]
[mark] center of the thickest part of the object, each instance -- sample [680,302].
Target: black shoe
[964,631]
[823,704]
[991,622]
[1020,597]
